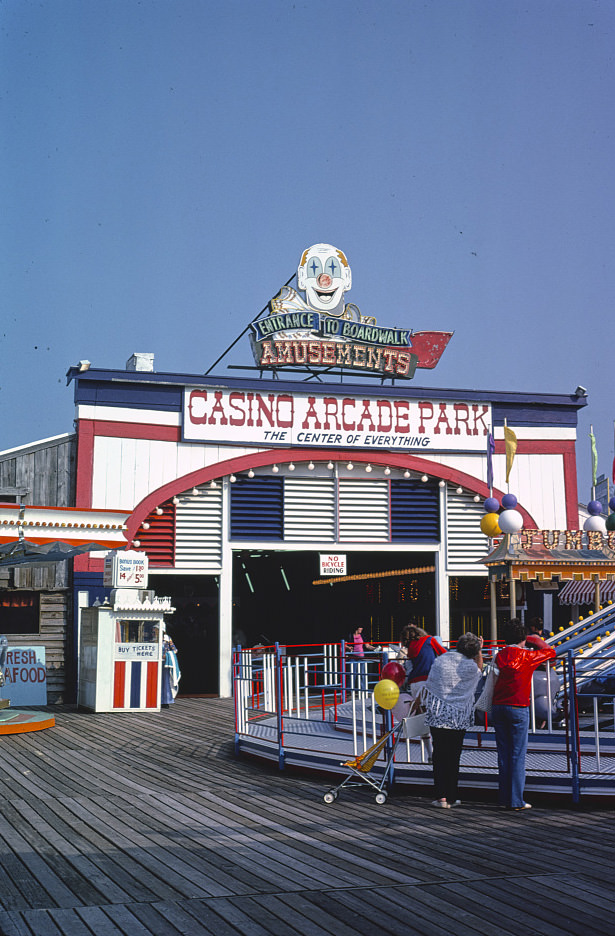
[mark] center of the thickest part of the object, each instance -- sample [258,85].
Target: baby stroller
[360,767]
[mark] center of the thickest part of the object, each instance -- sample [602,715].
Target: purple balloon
[594,507]
[509,502]
[491,505]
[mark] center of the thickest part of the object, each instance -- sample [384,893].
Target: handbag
[414,722]
[415,727]
[485,699]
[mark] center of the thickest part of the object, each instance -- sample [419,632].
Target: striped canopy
[581,593]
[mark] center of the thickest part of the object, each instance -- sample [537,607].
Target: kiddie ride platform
[18,721]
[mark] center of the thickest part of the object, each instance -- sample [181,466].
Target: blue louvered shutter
[257,508]
[415,513]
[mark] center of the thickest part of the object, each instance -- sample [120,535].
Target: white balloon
[402,706]
[510,521]
[596,523]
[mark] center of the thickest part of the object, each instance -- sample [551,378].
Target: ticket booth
[120,642]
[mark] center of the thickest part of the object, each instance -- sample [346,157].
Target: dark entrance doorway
[194,629]
[274,598]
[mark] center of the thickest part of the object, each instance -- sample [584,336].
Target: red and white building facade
[212,468]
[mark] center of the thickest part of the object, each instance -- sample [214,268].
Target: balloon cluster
[597,523]
[509,520]
[386,692]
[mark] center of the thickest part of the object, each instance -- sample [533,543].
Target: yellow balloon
[386,693]
[489,525]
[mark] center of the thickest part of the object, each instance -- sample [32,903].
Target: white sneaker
[441,803]
[456,803]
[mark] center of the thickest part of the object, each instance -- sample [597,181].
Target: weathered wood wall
[43,474]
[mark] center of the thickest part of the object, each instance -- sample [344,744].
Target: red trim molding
[85,463]
[538,446]
[128,430]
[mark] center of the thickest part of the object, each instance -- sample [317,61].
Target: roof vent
[140,361]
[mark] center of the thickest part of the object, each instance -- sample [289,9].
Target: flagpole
[505,427]
[592,447]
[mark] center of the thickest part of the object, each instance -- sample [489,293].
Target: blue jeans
[511,723]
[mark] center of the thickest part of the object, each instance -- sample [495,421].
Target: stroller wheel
[330,797]
[381,798]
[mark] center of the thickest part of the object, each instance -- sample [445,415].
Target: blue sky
[163,163]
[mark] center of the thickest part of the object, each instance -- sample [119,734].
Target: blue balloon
[509,502]
[594,507]
[491,505]
[612,503]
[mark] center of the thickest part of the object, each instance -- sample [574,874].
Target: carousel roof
[537,560]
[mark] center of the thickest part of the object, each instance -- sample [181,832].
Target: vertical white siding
[538,483]
[465,543]
[364,511]
[309,509]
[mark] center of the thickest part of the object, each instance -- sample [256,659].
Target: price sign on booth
[126,570]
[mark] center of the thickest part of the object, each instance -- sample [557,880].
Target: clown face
[324,274]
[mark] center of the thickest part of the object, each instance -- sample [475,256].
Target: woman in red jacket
[514,667]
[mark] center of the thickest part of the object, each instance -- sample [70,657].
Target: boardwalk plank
[301,917]
[460,913]
[185,923]
[126,922]
[40,923]
[205,915]
[98,922]
[13,924]
[352,912]
[69,923]
[501,893]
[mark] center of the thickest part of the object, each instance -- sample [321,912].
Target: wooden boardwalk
[128,825]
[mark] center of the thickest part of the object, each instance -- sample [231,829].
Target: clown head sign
[319,329]
[325,276]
